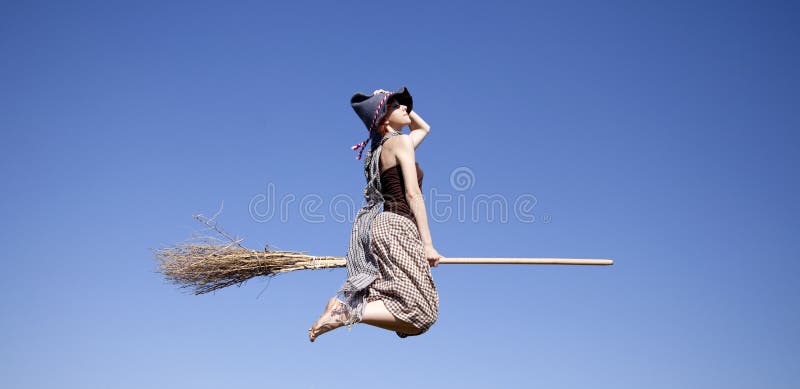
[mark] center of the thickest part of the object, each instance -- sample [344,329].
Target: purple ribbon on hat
[363,144]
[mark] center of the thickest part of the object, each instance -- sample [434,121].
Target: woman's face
[399,118]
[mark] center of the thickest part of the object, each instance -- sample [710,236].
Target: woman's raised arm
[419,128]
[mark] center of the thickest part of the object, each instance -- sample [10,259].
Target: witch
[389,259]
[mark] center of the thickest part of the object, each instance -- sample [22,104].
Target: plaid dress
[405,283]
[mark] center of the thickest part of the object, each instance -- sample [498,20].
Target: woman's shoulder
[394,148]
[398,142]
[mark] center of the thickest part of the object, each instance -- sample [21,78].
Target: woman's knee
[411,331]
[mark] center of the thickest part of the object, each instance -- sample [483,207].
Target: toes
[311,334]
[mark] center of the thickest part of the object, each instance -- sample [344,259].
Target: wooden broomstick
[209,265]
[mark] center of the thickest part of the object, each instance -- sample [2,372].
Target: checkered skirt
[405,283]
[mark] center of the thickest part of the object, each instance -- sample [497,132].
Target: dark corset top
[393,189]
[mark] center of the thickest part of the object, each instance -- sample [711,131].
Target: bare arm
[405,157]
[419,128]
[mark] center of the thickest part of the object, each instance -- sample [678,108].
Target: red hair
[384,119]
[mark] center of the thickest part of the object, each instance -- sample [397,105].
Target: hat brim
[403,97]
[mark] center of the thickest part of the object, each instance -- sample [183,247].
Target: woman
[389,282]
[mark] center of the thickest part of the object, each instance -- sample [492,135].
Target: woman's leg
[376,314]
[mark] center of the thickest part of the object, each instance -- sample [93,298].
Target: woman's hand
[432,255]
[379,91]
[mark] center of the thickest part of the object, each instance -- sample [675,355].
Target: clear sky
[663,136]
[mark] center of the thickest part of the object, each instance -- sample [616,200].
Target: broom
[208,265]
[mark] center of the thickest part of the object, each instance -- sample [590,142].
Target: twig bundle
[207,267]
[209,264]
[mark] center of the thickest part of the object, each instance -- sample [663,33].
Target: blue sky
[663,136]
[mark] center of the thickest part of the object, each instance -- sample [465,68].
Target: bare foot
[333,318]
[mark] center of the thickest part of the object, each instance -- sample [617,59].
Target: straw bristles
[207,264]
[206,267]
